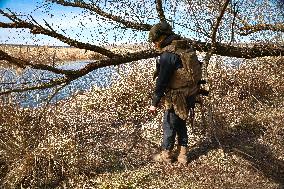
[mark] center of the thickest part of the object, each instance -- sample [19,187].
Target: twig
[248,29]
[48,25]
[247,155]
[257,100]
[24,83]
[242,20]
[11,16]
[235,13]
[49,100]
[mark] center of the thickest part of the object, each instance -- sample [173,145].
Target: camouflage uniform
[179,72]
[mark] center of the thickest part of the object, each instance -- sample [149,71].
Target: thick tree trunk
[240,51]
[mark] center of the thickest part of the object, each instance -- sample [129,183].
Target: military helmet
[162,28]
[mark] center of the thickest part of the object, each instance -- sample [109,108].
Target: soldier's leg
[182,141]
[169,134]
[181,130]
[169,131]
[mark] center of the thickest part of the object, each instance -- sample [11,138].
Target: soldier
[178,73]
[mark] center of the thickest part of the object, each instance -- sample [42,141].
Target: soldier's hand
[152,110]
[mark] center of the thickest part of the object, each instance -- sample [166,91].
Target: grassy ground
[105,138]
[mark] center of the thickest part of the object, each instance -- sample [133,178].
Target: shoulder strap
[178,45]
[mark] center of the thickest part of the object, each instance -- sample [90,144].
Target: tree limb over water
[220,45]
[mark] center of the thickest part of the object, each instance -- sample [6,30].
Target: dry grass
[105,138]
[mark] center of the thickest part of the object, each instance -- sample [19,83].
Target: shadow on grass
[131,157]
[242,141]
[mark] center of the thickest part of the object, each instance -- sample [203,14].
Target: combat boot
[163,156]
[182,156]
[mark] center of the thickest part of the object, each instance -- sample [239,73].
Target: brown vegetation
[105,138]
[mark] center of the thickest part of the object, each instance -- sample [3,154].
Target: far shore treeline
[51,54]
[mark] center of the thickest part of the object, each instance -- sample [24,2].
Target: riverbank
[106,138]
[9,78]
[53,54]
[48,55]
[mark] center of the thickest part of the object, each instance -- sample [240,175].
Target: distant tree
[231,28]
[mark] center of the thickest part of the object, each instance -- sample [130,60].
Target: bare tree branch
[221,49]
[97,10]
[23,64]
[213,37]
[130,57]
[201,29]
[235,13]
[242,21]
[247,51]
[50,84]
[159,7]
[218,21]
[249,29]
[37,29]
[74,74]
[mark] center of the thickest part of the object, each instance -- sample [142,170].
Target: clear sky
[81,25]
[95,31]
[74,22]
[23,36]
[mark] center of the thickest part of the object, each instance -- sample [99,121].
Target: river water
[99,78]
